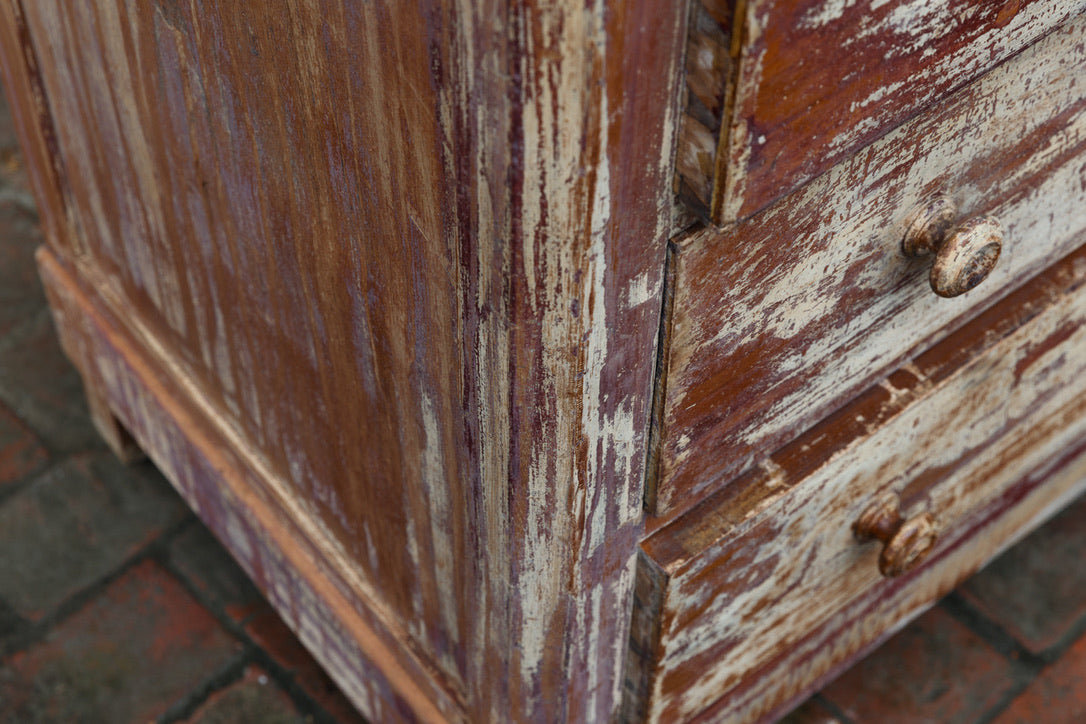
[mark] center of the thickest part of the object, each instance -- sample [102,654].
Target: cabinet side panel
[227,487]
[411,257]
[263,193]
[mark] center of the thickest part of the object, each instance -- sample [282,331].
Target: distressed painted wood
[959,433]
[817,80]
[33,123]
[854,631]
[378,285]
[406,260]
[294,561]
[781,319]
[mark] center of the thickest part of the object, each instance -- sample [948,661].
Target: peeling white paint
[1027,414]
[862,204]
[825,13]
[643,288]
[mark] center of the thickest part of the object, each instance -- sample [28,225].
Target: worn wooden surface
[378,285]
[850,634]
[409,257]
[292,560]
[750,573]
[33,122]
[781,319]
[817,80]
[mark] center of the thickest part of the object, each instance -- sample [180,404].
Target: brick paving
[917,676]
[117,605]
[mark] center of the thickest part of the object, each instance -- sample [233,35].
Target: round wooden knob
[965,253]
[905,542]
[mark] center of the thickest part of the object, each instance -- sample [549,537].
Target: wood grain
[783,318]
[816,81]
[852,633]
[751,573]
[33,125]
[409,255]
[296,565]
[378,285]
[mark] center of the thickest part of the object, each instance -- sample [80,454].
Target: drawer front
[815,81]
[954,435]
[781,319]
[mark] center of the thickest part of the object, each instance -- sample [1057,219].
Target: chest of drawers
[555,361]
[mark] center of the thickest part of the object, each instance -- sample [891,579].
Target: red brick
[1058,696]
[253,699]
[934,670]
[21,453]
[128,656]
[270,633]
[75,524]
[42,388]
[1037,590]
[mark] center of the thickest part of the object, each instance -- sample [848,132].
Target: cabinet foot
[120,441]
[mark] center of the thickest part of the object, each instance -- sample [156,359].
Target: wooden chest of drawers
[553,361]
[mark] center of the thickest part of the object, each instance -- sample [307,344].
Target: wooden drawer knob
[905,542]
[965,253]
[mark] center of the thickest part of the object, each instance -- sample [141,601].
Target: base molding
[301,575]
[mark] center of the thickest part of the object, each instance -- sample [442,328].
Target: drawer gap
[659,383]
